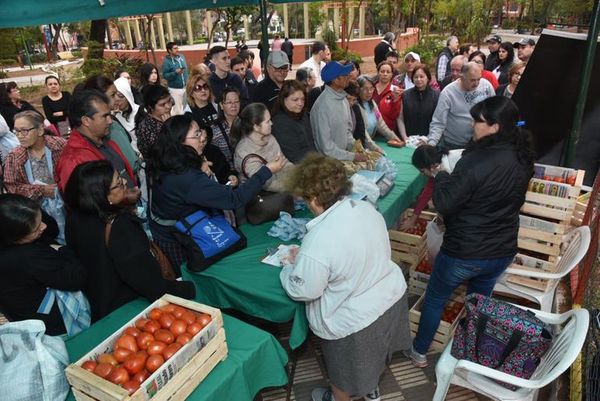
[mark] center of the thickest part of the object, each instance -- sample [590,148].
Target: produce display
[451,311]
[144,347]
[419,227]
[424,267]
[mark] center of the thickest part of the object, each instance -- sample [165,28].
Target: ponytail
[243,125]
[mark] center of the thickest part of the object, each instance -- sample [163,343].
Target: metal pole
[264,53]
[26,50]
[586,73]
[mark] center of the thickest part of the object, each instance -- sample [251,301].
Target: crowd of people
[182,138]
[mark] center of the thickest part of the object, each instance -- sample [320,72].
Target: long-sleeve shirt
[344,270]
[169,71]
[331,123]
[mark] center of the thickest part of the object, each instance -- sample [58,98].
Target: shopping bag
[435,237]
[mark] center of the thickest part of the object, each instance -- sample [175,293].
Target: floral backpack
[501,336]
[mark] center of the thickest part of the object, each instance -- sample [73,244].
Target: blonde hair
[189,87]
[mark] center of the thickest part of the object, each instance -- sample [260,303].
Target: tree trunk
[97,34]
[55,38]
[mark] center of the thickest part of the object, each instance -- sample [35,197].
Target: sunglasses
[198,87]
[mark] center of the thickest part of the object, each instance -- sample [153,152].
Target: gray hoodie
[331,123]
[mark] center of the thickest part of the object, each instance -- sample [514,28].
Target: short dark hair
[228,90]
[152,94]
[216,49]
[477,53]
[88,188]
[98,82]
[464,48]
[302,74]
[83,103]
[425,69]
[17,217]
[426,156]
[289,86]
[352,89]
[5,88]
[246,55]
[49,77]
[317,47]
[392,53]
[170,46]
[235,61]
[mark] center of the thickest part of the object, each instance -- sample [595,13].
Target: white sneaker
[373,395]
[418,360]
[322,394]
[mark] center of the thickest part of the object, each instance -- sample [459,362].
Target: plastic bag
[387,167]
[31,363]
[55,207]
[363,186]
[435,237]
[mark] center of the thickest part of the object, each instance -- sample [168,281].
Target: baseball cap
[278,59]
[413,55]
[494,38]
[333,70]
[524,42]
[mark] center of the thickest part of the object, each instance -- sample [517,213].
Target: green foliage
[8,43]
[122,63]
[341,54]
[3,75]
[93,63]
[428,49]
[8,62]
[330,38]
[77,53]
[38,58]
[30,90]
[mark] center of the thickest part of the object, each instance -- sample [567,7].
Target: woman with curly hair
[355,295]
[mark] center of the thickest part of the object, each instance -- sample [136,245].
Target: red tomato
[121,354]
[135,363]
[132,331]
[178,327]
[151,326]
[156,347]
[153,362]
[571,180]
[119,376]
[166,320]
[128,342]
[171,350]
[89,365]
[178,311]
[107,358]
[141,322]
[141,376]
[144,339]
[204,319]
[188,317]
[194,328]
[103,369]
[155,314]
[165,336]
[168,308]
[183,339]
[131,386]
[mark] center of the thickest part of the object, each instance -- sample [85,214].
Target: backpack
[501,336]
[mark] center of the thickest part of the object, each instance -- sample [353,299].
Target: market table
[242,282]
[255,359]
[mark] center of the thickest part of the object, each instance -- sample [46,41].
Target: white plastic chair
[577,248]
[563,351]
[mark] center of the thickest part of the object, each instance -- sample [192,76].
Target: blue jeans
[449,273]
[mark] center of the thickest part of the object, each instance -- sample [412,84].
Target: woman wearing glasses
[29,169]
[11,102]
[200,100]
[183,182]
[230,109]
[514,77]
[109,241]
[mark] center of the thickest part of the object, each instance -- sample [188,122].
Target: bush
[330,38]
[428,49]
[8,62]
[122,63]
[3,75]
[341,54]
[77,53]
[92,66]
[39,58]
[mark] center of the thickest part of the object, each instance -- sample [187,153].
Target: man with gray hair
[451,125]
[384,47]
[456,65]
[443,62]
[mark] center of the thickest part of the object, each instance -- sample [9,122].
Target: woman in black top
[29,265]
[56,105]
[11,103]
[200,100]
[506,55]
[419,103]
[148,76]
[291,124]
[110,242]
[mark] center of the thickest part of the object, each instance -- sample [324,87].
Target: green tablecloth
[255,360]
[243,283]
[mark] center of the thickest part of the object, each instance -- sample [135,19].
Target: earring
[110,202]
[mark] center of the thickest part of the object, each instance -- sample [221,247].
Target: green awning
[16,13]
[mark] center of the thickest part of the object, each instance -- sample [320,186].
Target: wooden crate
[417,281]
[406,247]
[525,262]
[580,208]
[445,330]
[541,236]
[175,379]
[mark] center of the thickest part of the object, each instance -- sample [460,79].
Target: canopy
[16,13]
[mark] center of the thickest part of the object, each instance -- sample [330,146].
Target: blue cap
[334,69]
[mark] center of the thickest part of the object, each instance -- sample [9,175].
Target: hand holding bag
[266,205]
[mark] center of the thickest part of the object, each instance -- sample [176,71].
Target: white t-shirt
[316,68]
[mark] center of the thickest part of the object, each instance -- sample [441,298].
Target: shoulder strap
[245,160]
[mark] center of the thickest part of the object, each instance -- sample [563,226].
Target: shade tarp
[16,13]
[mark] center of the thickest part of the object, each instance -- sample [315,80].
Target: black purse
[266,205]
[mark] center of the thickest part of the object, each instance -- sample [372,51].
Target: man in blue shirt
[175,71]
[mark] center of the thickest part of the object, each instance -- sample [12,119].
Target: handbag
[501,336]
[206,239]
[266,205]
[166,268]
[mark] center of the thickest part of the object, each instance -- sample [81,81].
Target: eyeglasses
[121,184]
[517,74]
[285,68]
[234,103]
[24,131]
[198,88]
[200,135]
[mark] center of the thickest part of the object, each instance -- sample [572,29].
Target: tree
[233,18]
[98,34]
[54,45]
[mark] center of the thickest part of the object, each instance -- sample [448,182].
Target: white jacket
[122,85]
[344,270]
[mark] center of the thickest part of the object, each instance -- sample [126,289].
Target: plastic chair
[576,249]
[559,357]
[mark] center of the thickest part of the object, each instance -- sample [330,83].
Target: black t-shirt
[53,106]
[9,111]
[207,115]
